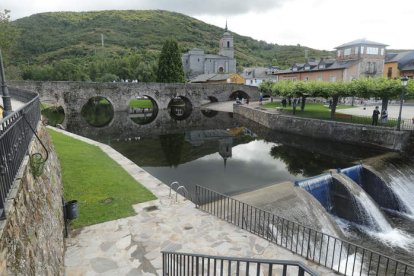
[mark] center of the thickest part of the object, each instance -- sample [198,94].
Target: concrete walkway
[132,246]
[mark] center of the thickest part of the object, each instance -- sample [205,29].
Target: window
[295,69]
[382,51]
[356,50]
[321,66]
[228,44]
[339,53]
[368,67]
[347,52]
[332,78]
[372,50]
[307,67]
[306,78]
[389,73]
[362,49]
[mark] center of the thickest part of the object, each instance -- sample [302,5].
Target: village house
[399,64]
[359,58]
[255,76]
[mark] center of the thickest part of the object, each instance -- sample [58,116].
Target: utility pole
[6,96]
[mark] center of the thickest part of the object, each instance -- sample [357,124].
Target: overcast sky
[321,24]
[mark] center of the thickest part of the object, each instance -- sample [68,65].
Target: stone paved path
[132,246]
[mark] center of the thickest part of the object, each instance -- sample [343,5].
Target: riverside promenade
[133,245]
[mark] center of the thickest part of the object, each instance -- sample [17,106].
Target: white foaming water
[394,238]
[402,184]
[370,211]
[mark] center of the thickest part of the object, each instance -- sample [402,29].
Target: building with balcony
[355,59]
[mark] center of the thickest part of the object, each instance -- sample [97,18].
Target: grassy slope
[90,177]
[47,37]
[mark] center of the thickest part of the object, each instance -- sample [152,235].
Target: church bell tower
[226,44]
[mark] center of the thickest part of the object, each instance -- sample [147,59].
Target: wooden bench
[343,116]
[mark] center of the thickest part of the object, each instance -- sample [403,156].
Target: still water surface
[233,157]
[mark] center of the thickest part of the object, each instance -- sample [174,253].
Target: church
[196,62]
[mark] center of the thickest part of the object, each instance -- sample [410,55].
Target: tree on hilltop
[170,67]
[8,33]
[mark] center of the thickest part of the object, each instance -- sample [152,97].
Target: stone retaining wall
[31,236]
[373,136]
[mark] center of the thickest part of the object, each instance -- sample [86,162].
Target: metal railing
[406,124]
[174,263]
[334,253]
[15,138]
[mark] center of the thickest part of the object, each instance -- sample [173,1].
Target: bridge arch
[98,111]
[143,110]
[238,94]
[180,108]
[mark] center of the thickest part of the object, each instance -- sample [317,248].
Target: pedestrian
[284,102]
[384,116]
[375,115]
[260,98]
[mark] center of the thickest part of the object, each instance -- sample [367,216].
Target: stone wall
[374,136]
[31,236]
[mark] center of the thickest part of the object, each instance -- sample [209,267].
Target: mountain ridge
[51,36]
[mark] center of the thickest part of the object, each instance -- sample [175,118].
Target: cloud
[191,7]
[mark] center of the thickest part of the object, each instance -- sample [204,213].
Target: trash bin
[71,209]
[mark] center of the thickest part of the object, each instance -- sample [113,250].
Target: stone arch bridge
[73,95]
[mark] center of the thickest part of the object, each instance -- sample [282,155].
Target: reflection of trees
[172,146]
[97,111]
[299,161]
[54,115]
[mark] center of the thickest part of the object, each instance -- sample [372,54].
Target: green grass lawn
[321,111]
[312,110]
[103,189]
[140,104]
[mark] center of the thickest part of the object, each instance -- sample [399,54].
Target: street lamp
[6,96]
[404,81]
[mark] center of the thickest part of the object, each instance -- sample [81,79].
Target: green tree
[8,33]
[170,67]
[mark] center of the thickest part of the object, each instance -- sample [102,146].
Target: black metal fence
[174,263]
[15,138]
[336,254]
[406,124]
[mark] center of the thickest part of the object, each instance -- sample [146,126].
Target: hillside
[49,37]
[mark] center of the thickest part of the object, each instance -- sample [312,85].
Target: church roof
[210,77]
[211,56]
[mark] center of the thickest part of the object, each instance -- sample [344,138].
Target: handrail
[15,138]
[184,194]
[334,253]
[177,263]
[171,186]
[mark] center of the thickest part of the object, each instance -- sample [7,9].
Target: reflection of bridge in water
[124,125]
